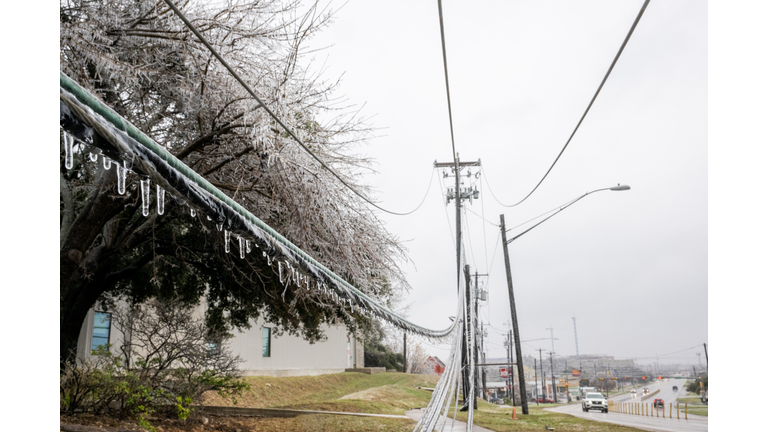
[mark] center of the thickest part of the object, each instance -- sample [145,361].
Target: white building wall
[290,355]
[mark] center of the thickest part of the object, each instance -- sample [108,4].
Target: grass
[702,410]
[312,423]
[694,405]
[500,420]
[689,400]
[384,393]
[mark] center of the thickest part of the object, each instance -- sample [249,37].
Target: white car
[594,401]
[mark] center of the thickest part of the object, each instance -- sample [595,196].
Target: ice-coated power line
[600,87]
[277,119]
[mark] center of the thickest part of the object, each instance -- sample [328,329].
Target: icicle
[94,156]
[269,261]
[127,165]
[280,268]
[160,200]
[209,218]
[248,246]
[68,141]
[226,240]
[242,247]
[120,180]
[192,212]
[144,196]
[107,163]
[219,226]
[264,254]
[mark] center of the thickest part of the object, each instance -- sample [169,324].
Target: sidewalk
[458,426]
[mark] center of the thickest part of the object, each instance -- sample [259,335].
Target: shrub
[167,361]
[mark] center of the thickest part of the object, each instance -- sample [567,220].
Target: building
[261,351]
[436,365]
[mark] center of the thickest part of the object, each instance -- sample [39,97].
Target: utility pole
[513,312]
[541,365]
[475,329]
[468,327]
[552,368]
[536,380]
[706,355]
[575,336]
[405,352]
[482,350]
[458,195]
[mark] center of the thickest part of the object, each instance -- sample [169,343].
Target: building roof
[437,360]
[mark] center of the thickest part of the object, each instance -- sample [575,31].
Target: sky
[631,266]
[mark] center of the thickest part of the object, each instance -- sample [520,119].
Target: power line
[495,249]
[445,69]
[469,239]
[485,239]
[272,114]
[483,218]
[605,78]
[445,208]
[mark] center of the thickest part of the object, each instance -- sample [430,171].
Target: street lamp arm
[566,205]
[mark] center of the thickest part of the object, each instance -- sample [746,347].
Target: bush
[167,363]
[694,387]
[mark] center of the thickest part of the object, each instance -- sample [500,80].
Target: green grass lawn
[384,393]
[500,420]
[702,410]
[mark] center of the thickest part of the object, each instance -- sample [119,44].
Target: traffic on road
[648,413]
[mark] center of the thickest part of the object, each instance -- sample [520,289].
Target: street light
[563,207]
[518,348]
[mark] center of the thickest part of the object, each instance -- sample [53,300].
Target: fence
[647,409]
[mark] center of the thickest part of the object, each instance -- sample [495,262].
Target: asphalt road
[694,423]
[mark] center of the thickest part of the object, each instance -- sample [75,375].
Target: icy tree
[141,60]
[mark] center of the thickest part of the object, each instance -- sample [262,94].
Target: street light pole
[513,310]
[518,348]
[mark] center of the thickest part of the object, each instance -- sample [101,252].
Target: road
[694,423]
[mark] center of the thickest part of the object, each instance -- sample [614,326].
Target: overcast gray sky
[631,266]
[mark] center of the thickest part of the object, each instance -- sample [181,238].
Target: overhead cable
[605,78]
[272,114]
[447,87]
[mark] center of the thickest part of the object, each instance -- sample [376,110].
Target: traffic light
[566,385]
[643,377]
[661,378]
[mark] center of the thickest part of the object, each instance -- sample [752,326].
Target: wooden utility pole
[513,312]
[458,195]
[476,329]
[405,352]
[536,380]
[552,368]
[543,385]
[482,351]
[465,351]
